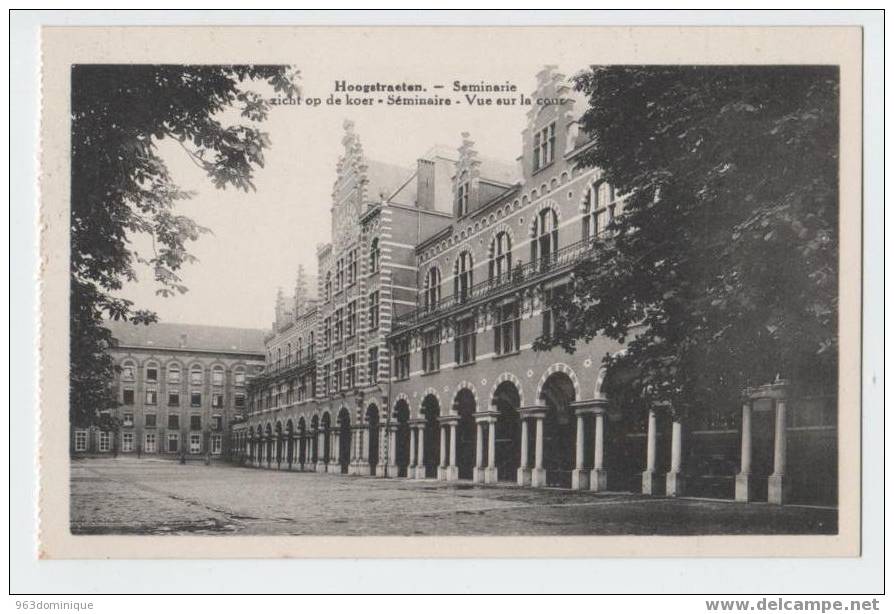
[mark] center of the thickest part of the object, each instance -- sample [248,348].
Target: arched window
[239,376]
[432,288]
[500,265]
[374,256]
[128,370]
[195,374]
[545,241]
[462,194]
[217,375]
[174,373]
[600,208]
[462,280]
[151,371]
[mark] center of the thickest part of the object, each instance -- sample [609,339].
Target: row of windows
[343,323]
[195,421]
[302,352]
[150,442]
[195,398]
[506,338]
[196,373]
[601,206]
[346,271]
[285,394]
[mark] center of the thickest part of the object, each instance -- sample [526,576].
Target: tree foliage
[721,271]
[121,188]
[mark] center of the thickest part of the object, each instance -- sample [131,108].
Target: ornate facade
[431,292]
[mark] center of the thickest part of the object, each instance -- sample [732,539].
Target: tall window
[464,344]
[374,310]
[552,322]
[339,325]
[217,375]
[339,274]
[127,442]
[127,396]
[327,332]
[500,265]
[80,441]
[173,442]
[310,346]
[373,365]
[195,398]
[150,420]
[195,375]
[326,381]
[402,358]
[105,441]
[431,350]
[173,422]
[350,370]
[544,146]
[599,210]
[462,195]
[351,320]
[173,398]
[288,354]
[432,288]
[339,374]
[152,372]
[149,448]
[462,280]
[239,376]
[195,423]
[506,329]
[374,256]
[151,396]
[195,443]
[174,373]
[546,237]
[328,286]
[352,266]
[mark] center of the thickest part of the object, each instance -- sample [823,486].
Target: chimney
[425,184]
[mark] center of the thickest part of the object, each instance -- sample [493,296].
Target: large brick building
[179,386]
[416,358]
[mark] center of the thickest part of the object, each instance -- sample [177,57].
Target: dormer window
[544,146]
[462,196]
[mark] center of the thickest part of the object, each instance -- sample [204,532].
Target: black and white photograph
[314,292]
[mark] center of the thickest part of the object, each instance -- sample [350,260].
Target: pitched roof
[200,337]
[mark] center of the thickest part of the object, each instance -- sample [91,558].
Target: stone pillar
[382,444]
[411,469]
[524,471]
[675,482]
[650,479]
[420,454]
[322,461]
[478,471]
[392,470]
[334,464]
[452,468]
[580,477]
[490,472]
[744,483]
[442,465]
[599,476]
[777,484]
[538,474]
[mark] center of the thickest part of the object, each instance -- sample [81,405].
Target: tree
[721,270]
[121,187]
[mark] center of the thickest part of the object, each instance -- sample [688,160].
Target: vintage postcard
[450,291]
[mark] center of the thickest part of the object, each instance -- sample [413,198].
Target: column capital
[486,416]
[417,423]
[776,390]
[533,411]
[590,406]
[449,419]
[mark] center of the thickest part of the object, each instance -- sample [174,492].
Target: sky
[259,238]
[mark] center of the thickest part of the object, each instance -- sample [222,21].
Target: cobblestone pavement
[154,496]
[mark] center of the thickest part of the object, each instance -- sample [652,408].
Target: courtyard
[152,496]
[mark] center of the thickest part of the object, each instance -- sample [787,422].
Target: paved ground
[151,496]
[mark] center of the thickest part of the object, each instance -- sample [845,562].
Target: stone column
[777,484]
[744,483]
[580,477]
[650,479]
[382,444]
[478,471]
[524,470]
[420,454]
[411,469]
[452,469]
[442,466]
[392,470]
[538,474]
[599,476]
[675,481]
[490,472]
[334,463]
[322,460]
